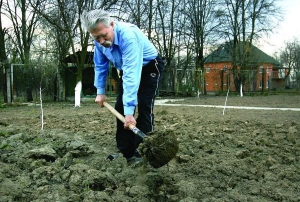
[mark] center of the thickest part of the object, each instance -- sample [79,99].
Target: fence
[27,81]
[217,80]
[294,80]
[189,82]
[184,82]
[23,82]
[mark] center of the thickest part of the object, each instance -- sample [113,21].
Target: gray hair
[91,19]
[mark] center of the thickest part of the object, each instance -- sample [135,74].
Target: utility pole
[8,84]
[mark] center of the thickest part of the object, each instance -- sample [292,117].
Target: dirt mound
[159,147]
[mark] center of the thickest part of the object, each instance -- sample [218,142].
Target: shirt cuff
[129,110]
[100,91]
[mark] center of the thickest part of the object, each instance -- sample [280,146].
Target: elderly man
[140,66]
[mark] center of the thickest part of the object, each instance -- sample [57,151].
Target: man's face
[103,34]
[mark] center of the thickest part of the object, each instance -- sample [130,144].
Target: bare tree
[290,57]
[138,12]
[64,17]
[165,28]
[25,22]
[3,32]
[201,20]
[3,55]
[243,23]
[132,11]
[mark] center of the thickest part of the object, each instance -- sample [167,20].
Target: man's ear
[112,24]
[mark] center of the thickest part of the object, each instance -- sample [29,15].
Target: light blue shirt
[131,50]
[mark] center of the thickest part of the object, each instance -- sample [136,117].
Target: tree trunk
[3,56]
[60,85]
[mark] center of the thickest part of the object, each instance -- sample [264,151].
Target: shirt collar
[116,39]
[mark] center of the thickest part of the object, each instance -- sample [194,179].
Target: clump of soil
[159,147]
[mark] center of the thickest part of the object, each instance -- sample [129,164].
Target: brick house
[261,73]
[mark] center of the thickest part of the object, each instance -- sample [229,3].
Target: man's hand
[100,99]
[129,120]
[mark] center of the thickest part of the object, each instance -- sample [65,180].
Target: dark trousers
[127,141]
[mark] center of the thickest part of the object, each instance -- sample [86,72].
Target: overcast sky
[288,29]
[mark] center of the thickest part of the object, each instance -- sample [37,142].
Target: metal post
[8,84]
[12,82]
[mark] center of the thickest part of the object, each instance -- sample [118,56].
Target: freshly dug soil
[243,155]
[159,148]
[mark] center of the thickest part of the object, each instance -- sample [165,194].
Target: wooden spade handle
[114,112]
[121,118]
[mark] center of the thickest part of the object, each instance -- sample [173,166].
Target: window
[281,73]
[267,84]
[260,84]
[225,68]
[207,69]
[261,68]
